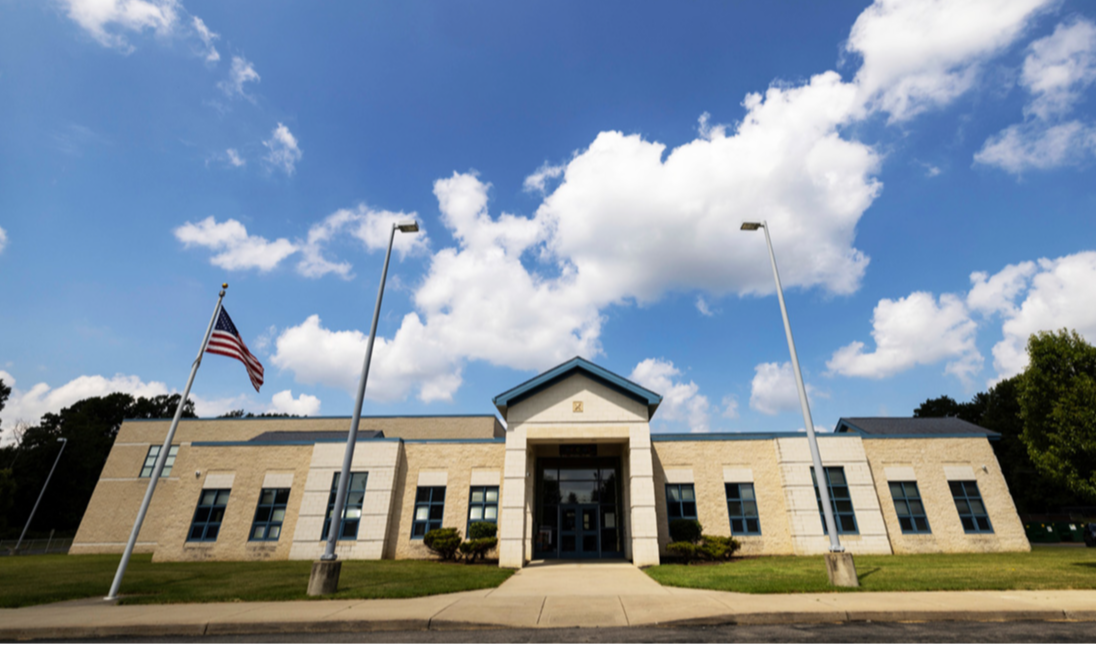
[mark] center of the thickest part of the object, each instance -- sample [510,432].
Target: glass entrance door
[579,534]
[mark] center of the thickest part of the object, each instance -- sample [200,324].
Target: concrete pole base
[324,579]
[840,568]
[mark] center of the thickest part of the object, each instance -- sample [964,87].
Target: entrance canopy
[575,366]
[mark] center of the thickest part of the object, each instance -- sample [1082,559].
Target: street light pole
[64,442]
[821,481]
[325,573]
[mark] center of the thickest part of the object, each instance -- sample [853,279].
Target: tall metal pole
[161,459]
[64,442]
[819,474]
[335,527]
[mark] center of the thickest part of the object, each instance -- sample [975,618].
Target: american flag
[226,341]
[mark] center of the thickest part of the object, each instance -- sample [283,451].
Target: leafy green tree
[5,392]
[1058,406]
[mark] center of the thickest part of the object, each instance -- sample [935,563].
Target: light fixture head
[751,226]
[61,439]
[408,226]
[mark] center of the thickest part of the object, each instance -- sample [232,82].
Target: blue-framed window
[742,508]
[209,515]
[150,460]
[483,505]
[840,500]
[269,515]
[680,502]
[352,508]
[972,512]
[908,506]
[429,510]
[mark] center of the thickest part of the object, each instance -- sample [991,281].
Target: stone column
[512,513]
[641,485]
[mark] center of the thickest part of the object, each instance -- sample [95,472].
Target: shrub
[685,531]
[480,530]
[473,550]
[443,542]
[684,550]
[717,547]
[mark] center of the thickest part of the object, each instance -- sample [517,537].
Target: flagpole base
[841,569]
[324,579]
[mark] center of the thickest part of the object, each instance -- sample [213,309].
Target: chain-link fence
[35,547]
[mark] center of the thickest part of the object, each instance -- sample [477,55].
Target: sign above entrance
[578,450]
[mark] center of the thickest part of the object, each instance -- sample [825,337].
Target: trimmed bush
[473,550]
[685,531]
[717,547]
[480,530]
[443,542]
[687,551]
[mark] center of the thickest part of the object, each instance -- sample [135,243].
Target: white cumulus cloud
[207,37]
[284,151]
[235,249]
[773,389]
[371,227]
[538,181]
[681,401]
[29,405]
[234,158]
[3,239]
[910,331]
[304,405]
[240,74]
[1056,70]
[105,20]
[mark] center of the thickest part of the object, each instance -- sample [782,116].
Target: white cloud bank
[304,405]
[29,405]
[630,220]
[284,150]
[104,20]
[773,389]
[681,402]
[1055,72]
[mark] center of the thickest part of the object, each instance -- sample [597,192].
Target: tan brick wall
[455,459]
[707,460]
[600,404]
[249,465]
[928,459]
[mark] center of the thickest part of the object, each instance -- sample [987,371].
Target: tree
[5,392]
[1058,405]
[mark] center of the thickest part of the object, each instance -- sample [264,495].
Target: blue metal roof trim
[757,436]
[972,435]
[579,364]
[379,416]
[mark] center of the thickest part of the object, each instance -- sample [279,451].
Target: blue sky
[580,174]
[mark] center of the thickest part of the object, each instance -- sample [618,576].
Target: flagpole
[161,459]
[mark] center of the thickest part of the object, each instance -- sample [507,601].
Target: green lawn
[33,580]
[1046,567]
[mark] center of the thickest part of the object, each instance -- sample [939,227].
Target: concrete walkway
[541,595]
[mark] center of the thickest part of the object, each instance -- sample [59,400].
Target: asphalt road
[944,632]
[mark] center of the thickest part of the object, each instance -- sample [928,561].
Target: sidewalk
[558,595]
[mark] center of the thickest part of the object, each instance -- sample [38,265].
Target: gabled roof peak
[578,364]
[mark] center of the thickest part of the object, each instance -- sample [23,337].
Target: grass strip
[1045,567]
[34,580]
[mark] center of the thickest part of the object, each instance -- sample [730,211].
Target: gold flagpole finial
[224,285]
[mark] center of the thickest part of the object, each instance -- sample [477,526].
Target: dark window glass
[840,500]
[742,509]
[972,512]
[483,506]
[429,510]
[352,508]
[150,461]
[908,506]
[269,515]
[680,502]
[209,515]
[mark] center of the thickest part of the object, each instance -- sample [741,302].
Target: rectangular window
[742,508]
[908,506]
[352,508]
[840,500]
[680,502]
[429,510]
[269,515]
[972,512]
[209,515]
[483,506]
[150,461]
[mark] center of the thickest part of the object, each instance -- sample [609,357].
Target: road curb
[422,624]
